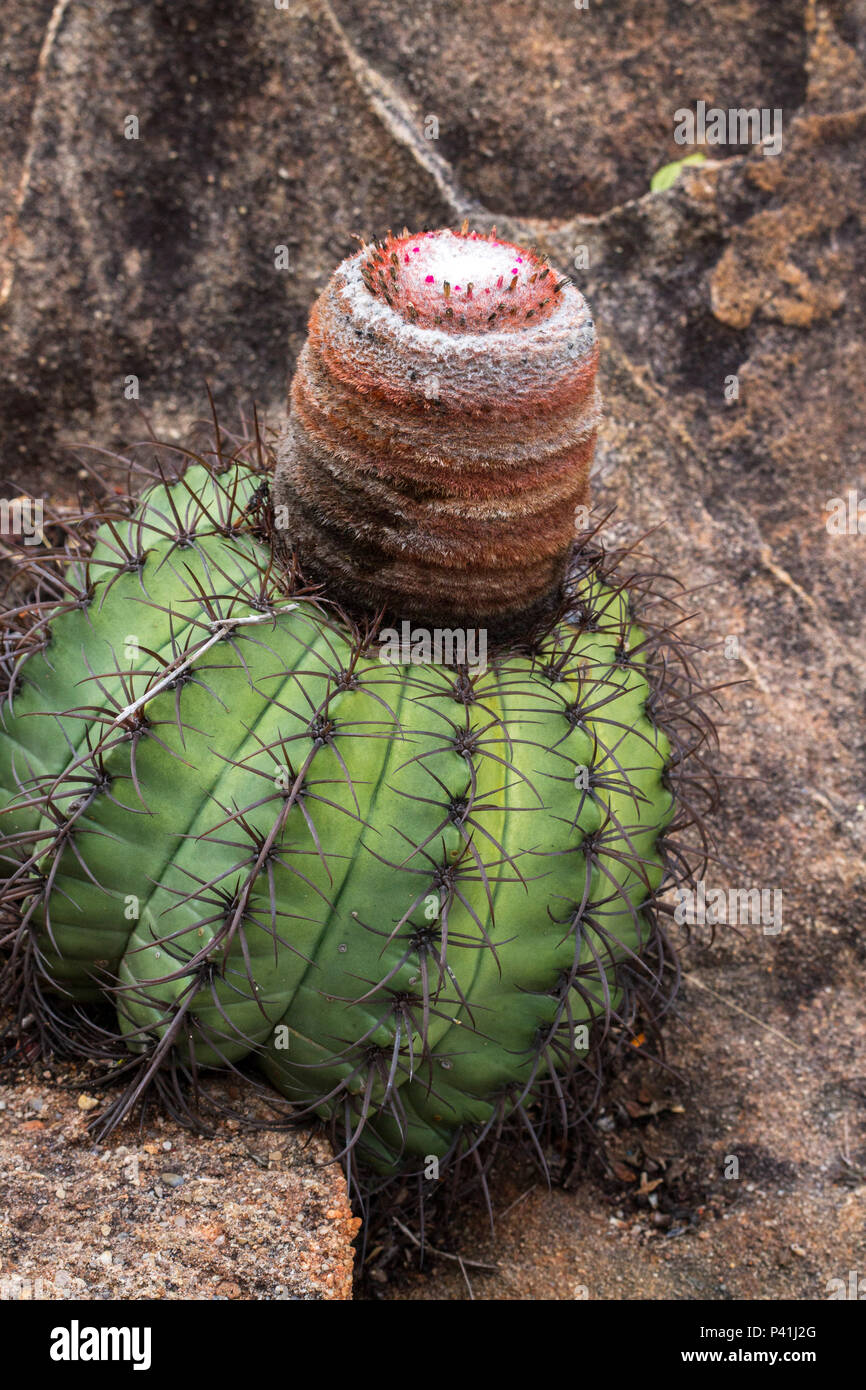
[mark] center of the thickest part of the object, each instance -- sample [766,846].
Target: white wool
[564,336]
[461,261]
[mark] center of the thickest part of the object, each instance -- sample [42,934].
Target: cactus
[423,895]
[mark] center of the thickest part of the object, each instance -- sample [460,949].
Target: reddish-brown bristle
[428,270]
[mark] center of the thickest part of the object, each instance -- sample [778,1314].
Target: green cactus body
[402,888]
[423,895]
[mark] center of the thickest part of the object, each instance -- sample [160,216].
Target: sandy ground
[158,1213]
[750,1182]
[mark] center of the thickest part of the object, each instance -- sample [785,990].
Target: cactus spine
[424,897]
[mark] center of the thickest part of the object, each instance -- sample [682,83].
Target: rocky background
[731,310]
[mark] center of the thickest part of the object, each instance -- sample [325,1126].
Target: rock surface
[161,1213]
[155,258]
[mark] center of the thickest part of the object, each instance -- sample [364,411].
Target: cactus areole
[347,753]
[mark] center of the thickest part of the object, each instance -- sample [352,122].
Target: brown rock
[81,1220]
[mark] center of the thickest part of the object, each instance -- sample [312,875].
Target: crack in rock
[400,121]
